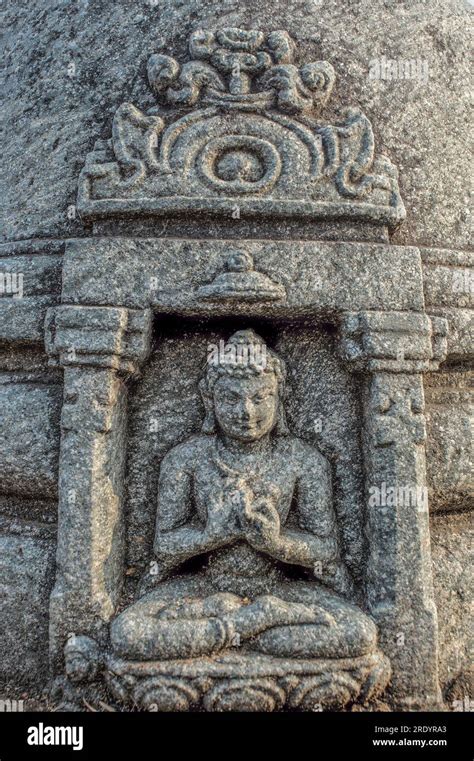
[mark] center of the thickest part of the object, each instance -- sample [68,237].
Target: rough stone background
[453,562]
[26,579]
[54,115]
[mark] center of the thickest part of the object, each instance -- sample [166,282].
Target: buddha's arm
[314,544]
[179,536]
[299,547]
[179,544]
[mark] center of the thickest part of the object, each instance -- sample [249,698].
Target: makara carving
[238,125]
[267,613]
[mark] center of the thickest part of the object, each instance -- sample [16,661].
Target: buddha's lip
[244,429]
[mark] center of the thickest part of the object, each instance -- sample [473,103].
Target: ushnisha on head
[243,389]
[239,261]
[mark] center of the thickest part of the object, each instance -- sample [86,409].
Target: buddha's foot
[214,606]
[269,611]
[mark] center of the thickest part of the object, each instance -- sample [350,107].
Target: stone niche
[166,408]
[351,351]
[239,461]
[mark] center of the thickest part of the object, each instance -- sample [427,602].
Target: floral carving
[241,66]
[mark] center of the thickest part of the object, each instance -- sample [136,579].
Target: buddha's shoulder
[303,454]
[188,452]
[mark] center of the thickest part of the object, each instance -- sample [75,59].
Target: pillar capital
[114,338]
[393,342]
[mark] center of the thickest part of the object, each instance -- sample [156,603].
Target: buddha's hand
[261,522]
[222,524]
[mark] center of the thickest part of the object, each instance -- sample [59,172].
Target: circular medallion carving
[245,695]
[332,691]
[165,694]
[239,164]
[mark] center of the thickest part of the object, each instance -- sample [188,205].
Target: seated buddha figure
[246,539]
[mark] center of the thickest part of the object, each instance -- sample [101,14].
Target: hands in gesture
[245,515]
[260,521]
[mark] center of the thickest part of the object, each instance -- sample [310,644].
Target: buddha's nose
[245,410]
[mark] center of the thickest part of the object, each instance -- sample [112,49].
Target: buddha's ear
[209,422]
[281,427]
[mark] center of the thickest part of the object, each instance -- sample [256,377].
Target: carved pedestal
[236,682]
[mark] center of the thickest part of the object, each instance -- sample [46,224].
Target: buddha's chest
[216,487]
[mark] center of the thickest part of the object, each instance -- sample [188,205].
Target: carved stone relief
[257,590]
[248,499]
[237,126]
[240,455]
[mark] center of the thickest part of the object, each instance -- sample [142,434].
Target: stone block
[26,579]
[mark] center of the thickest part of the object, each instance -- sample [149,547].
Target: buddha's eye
[260,398]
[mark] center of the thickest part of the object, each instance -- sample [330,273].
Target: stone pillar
[98,347]
[391,350]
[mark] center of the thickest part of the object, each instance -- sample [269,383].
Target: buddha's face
[246,408]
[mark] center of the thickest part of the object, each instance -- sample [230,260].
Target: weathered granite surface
[29,458]
[451,538]
[27,571]
[61,115]
[300,531]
